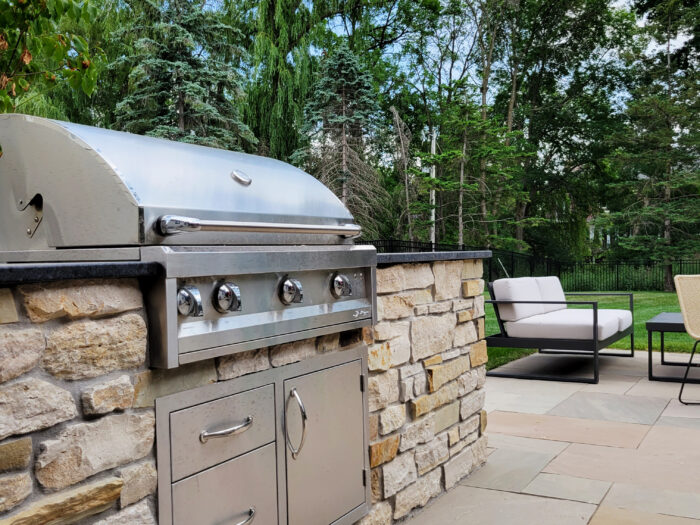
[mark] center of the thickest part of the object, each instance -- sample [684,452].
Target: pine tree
[183,86]
[340,117]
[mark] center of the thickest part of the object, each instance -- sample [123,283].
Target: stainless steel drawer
[207,434]
[227,493]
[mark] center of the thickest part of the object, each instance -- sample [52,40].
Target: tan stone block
[242,363]
[379,515]
[379,357]
[480,375]
[418,432]
[451,354]
[376,487]
[411,370]
[430,402]
[287,353]
[387,330]
[435,360]
[418,494]
[139,514]
[456,449]
[140,480]
[446,417]
[423,309]
[83,349]
[439,375]
[103,398]
[400,350]
[478,354]
[155,383]
[16,454]
[440,308]
[448,279]
[464,334]
[69,506]
[406,390]
[8,310]
[373,427]
[383,389]
[479,306]
[453,436]
[401,305]
[432,454]
[32,404]
[383,451]
[14,489]
[458,467]
[392,418]
[472,288]
[84,449]
[20,351]
[80,298]
[467,382]
[459,305]
[472,269]
[469,426]
[420,385]
[481,328]
[464,316]
[330,342]
[398,473]
[367,335]
[432,335]
[480,449]
[391,279]
[472,403]
[483,421]
[418,276]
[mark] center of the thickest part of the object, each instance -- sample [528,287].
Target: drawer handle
[236,429]
[295,395]
[250,518]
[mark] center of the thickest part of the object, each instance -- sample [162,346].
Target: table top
[666,322]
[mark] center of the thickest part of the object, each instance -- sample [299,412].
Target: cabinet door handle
[250,518]
[232,431]
[295,395]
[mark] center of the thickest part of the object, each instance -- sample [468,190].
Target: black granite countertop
[11,274]
[384,259]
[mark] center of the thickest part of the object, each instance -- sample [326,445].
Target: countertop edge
[24,273]
[418,257]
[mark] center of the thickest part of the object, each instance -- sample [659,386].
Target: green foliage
[36,55]
[181,87]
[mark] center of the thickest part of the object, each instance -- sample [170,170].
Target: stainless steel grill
[254,251]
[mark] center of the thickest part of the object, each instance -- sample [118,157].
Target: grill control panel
[219,301]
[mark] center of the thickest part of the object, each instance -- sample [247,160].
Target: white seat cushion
[518,289]
[551,290]
[566,324]
[625,317]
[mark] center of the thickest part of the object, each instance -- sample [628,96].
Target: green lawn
[646,306]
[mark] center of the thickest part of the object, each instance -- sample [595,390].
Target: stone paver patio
[621,452]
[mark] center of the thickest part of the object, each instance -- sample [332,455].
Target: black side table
[666,322]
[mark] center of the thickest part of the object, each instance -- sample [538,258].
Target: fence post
[617,276]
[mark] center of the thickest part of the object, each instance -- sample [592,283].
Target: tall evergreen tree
[182,87]
[340,117]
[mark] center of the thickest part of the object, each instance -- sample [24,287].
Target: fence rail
[582,276]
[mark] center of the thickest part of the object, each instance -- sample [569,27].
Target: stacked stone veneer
[427,369]
[77,421]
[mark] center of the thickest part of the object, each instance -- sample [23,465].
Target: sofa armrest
[630,295]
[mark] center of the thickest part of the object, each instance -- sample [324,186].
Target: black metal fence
[582,277]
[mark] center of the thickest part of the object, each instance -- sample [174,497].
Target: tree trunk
[460,211]
[344,193]
[433,173]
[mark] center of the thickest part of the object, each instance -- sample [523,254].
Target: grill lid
[68,185]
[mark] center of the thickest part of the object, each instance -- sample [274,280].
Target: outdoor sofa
[533,312]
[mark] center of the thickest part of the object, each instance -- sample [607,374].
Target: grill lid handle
[172,224]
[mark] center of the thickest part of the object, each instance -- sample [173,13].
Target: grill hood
[66,185]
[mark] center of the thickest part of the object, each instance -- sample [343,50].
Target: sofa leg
[685,377]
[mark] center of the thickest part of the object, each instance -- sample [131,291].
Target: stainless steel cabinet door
[325,461]
[237,492]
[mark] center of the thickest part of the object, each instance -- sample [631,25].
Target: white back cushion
[518,289]
[551,290]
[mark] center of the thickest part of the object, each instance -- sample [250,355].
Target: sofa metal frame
[545,345]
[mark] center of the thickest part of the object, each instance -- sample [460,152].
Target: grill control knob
[227,298]
[189,301]
[340,286]
[291,291]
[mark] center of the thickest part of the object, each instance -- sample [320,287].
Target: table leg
[651,366]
